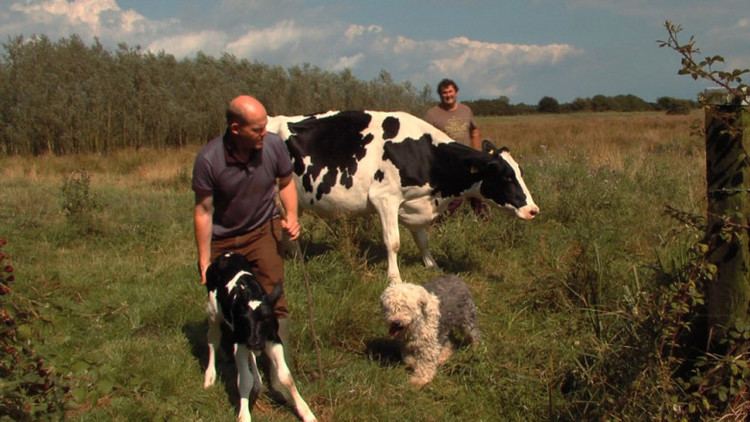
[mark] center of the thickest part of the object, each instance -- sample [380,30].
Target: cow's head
[502,182]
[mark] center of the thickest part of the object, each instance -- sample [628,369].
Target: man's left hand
[292,227]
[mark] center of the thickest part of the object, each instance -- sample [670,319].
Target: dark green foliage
[705,68]
[78,202]
[674,105]
[626,103]
[77,197]
[548,105]
[29,389]
[66,97]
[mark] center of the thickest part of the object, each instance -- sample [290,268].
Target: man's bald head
[245,109]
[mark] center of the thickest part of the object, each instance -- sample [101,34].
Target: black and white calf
[397,165]
[236,298]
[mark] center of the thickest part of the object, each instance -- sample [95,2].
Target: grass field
[118,311]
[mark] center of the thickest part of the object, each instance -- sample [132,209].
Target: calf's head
[250,309]
[502,182]
[254,318]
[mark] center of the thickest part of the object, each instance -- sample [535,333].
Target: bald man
[234,179]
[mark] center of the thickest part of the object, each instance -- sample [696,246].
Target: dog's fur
[429,322]
[236,298]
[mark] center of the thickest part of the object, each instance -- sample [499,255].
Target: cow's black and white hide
[397,165]
[236,298]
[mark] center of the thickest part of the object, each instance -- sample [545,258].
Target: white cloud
[347,62]
[314,36]
[282,35]
[211,42]
[95,17]
[355,31]
[491,67]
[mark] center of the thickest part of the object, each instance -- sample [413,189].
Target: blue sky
[522,49]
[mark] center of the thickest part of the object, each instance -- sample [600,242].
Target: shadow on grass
[383,350]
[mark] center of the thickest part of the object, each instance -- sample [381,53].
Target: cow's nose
[528,212]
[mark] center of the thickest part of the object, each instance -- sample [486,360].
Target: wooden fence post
[727,125]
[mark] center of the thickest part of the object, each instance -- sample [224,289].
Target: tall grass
[121,315]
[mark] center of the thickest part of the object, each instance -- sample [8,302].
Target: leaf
[79,394]
[105,386]
[80,367]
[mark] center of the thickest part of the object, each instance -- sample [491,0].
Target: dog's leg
[244,381]
[445,352]
[426,360]
[424,372]
[214,338]
[280,376]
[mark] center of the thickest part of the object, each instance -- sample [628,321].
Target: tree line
[501,106]
[66,97]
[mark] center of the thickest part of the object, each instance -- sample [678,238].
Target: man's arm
[288,197]
[202,220]
[476,137]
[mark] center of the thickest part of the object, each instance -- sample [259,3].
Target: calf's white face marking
[233,282]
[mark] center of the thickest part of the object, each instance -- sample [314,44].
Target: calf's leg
[214,337]
[244,381]
[281,377]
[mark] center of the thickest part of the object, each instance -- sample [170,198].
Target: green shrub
[29,388]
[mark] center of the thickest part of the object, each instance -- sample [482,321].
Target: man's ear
[234,128]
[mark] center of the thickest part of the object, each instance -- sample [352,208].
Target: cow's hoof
[209,379]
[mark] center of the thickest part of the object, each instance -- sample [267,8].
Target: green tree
[548,105]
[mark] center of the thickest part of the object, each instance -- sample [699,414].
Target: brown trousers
[262,248]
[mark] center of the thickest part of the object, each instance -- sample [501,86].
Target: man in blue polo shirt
[234,179]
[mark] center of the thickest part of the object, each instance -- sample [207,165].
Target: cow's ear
[488,147]
[473,169]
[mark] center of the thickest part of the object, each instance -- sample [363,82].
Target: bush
[79,203]
[548,105]
[29,389]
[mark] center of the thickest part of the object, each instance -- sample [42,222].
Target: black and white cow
[397,165]
[236,298]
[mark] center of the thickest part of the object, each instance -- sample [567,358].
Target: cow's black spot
[379,175]
[334,143]
[445,167]
[452,168]
[391,126]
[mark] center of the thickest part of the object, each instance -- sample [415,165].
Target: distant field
[118,309]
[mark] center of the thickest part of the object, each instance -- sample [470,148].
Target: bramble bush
[29,388]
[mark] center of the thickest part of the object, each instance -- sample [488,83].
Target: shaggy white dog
[429,321]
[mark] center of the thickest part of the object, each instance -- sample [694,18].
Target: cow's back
[339,157]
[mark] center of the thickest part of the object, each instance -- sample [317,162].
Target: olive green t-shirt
[456,123]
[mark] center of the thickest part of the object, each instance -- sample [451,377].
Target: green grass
[118,310]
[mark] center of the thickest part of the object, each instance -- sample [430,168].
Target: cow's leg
[420,238]
[214,337]
[281,377]
[388,213]
[244,380]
